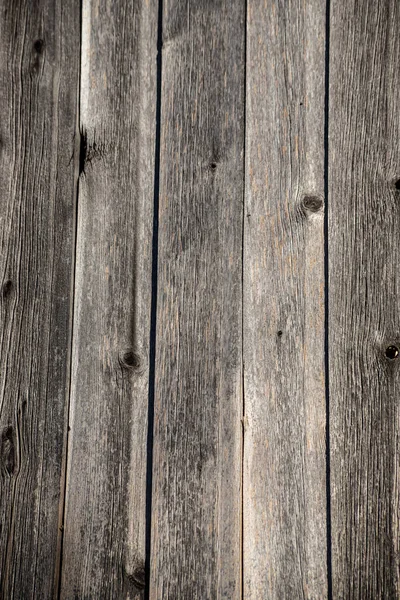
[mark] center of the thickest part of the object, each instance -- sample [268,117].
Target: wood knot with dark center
[136,576]
[392,352]
[312,203]
[130,360]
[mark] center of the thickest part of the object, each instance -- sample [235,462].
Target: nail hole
[392,352]
[280,333]
[213,166]
[7,288]
[38,46]
[397,184]
[312,203]
[7,450]
[130,360]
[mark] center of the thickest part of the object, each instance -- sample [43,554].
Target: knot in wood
[130,360]
[138,577]
[392,352]
[312,203]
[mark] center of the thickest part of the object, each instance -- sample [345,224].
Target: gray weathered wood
[196,516]
[104,543]
[39,79]
[364,297]
[284,425]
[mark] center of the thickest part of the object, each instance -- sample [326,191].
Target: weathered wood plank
[196,516]
[284,426]
[104,545]
[39,80]
[364,292]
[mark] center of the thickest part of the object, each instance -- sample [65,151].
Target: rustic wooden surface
[364,306]
[39,68]
[199,229]
[196,516]
[104,536]
[284,435]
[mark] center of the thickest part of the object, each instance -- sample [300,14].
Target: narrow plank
[196,509]
[284,437]
[364,306]
[39,80]
[104,545]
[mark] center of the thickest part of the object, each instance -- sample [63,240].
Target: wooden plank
[284,424]
[39,79]
[104,546]
[364,306]
[196,509]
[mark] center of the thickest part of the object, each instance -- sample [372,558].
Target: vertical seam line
[243,328]
[326,277]
[77,161]
[153,313]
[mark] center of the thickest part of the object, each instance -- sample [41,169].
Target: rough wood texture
[240,315]
[39,70]
[196,517]
[364,292]
[104,543]
[284,425]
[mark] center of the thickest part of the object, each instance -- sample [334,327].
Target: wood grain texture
[285,543]
[364,305]
[104,543]
[39,79]
[196,516]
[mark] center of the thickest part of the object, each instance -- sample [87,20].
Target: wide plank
[105,516]
[39,80]
[196,500]
[364,297]
[284,503]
